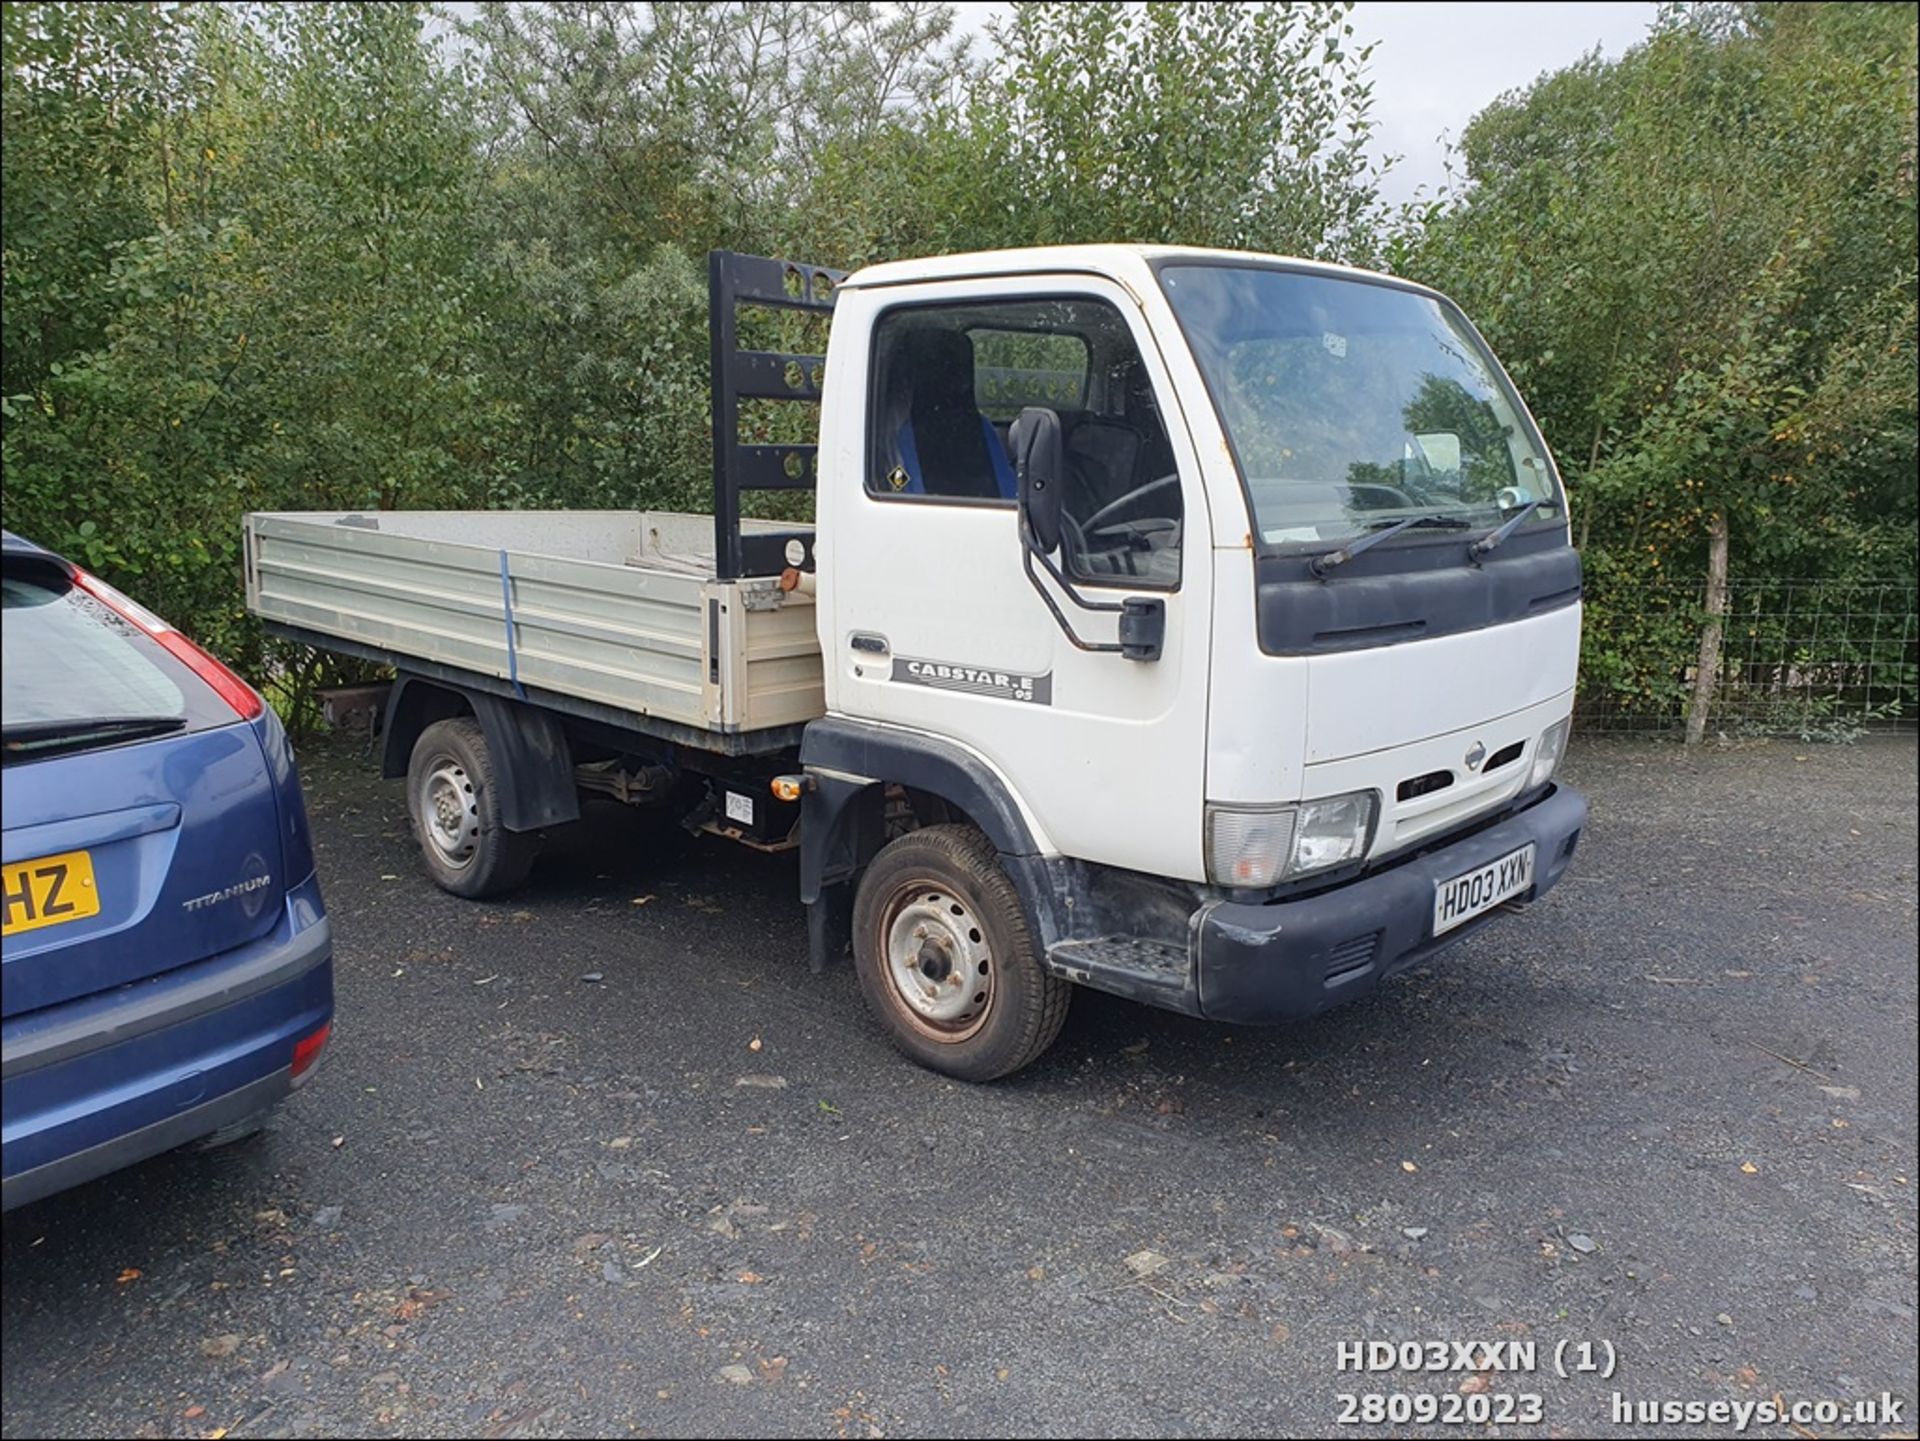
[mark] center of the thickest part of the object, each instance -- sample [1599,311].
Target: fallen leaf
[194,1413]
[132,1273]
[1750,1168]
[218,1346]
[619,1143]
[1147,1263]
[416,1301]
[1280,1334]
[641,900]
[1408,1166]
[750,1278]
[338,1142]
[1036,1273]
[1475,1385]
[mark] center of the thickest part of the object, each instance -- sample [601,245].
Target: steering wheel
[1107,511]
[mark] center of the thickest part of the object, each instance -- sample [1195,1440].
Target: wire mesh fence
[1814,659]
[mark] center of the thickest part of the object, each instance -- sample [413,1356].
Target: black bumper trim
[1288,960]
[150,1140]
[165,1000]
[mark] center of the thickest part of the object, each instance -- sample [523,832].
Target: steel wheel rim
[450,812]
[940,968]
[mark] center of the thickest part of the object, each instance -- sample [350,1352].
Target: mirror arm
[1059,616]
[1142,620]
[1065,584]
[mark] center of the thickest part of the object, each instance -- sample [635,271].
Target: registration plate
[1459,900]
[49,891]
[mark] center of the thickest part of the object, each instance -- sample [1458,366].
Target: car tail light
[307,1050]
[244,699]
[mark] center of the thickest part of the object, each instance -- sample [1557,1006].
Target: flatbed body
[617,615]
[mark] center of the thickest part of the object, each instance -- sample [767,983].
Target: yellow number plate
[48,891]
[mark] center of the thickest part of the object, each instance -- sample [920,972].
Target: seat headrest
[934,368]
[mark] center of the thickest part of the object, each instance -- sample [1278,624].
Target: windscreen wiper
[1324,563]
[1493,538]
[41,735]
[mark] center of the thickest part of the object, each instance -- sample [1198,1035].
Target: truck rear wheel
[947,961]
[455,806]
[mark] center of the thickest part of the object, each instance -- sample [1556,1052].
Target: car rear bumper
[101,1082]
[1287,960]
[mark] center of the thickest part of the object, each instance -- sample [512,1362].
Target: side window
[949,380]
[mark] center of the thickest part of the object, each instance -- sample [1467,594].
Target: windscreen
[1351,405]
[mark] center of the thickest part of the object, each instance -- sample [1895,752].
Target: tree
[1699,263]
[1204,124]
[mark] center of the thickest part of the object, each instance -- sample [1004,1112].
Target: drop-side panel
[637,635]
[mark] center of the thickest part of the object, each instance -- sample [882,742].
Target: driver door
[934,624]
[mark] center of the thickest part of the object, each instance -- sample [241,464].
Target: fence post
[1707,672]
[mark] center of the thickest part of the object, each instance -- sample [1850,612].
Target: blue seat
[938,441]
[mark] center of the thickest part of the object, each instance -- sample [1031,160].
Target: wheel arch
[531,755]
[843,821]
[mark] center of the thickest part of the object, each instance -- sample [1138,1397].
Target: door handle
[871,644]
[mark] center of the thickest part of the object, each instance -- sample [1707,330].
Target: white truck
[1192,625]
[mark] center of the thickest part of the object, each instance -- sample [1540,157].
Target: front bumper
[1286,960]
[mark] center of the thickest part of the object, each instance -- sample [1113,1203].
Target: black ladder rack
[760,375]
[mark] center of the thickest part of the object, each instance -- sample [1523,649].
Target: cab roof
[1130,264]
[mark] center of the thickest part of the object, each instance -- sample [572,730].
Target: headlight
[1546,756]
[1332,832]
[1253,849]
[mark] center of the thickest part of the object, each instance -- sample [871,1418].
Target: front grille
[1503,756]
[1417,786]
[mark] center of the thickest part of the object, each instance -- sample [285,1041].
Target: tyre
[455,806]
[946,959]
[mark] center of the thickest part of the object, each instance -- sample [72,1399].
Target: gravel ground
[1672,1109]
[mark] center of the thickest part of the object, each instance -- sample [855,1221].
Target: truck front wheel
[947,961]
[454,803]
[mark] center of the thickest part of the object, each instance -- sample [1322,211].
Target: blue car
[167,962]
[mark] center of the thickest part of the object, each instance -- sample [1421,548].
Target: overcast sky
[1437,64]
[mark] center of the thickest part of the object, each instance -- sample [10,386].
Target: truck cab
[1230,597]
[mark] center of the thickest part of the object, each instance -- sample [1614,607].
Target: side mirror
[1039,465]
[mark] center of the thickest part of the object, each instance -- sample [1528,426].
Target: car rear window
[70,663]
